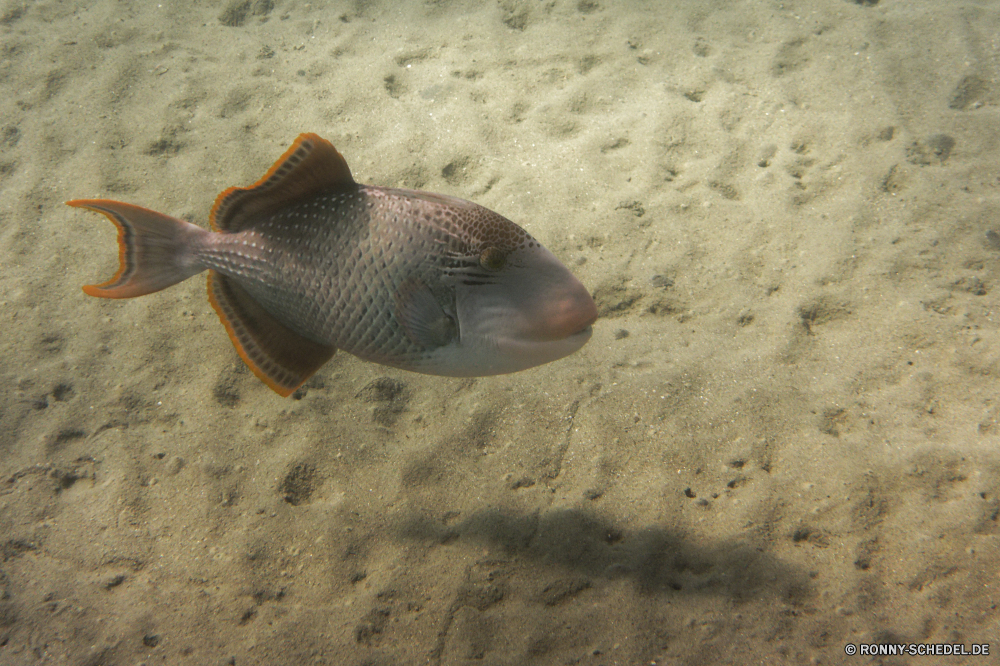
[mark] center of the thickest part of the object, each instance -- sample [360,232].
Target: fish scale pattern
[331,266]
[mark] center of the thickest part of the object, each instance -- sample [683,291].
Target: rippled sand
[783,437]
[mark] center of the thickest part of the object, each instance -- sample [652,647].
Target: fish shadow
[657,559]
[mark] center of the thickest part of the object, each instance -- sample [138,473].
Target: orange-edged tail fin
[153,249]
[280,357]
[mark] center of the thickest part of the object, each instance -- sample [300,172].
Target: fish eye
[492,259]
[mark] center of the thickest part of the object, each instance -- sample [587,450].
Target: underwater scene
[536,332]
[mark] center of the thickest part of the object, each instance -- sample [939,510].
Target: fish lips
[530,353]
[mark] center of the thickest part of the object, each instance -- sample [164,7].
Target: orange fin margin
[152,249]
[310,166]
[279,357]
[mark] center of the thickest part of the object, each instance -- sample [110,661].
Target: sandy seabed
[783,438]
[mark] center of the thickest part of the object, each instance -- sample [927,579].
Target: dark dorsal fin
[311,166]
[280,357]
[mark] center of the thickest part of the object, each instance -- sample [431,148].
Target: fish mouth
[559,335]
[530,353]
[586,323]
[587,331]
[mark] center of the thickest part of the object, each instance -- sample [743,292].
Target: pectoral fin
[424,320]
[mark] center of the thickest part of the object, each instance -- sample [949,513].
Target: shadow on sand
[657,559]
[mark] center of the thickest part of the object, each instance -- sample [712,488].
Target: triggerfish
[307,261]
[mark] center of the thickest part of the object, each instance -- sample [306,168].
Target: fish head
[519,307]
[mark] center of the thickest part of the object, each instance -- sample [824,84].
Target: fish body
[307,261]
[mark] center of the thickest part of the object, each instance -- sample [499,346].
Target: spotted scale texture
[332,266]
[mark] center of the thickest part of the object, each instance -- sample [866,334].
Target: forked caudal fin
[155,253]
[152,249]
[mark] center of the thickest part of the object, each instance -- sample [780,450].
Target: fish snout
[568,311]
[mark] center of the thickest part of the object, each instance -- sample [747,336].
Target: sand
[782,438]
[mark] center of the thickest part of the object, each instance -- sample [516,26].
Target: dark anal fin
[281,358]
[311,166]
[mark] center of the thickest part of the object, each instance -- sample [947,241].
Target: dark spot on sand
[62,392]
[298,485]
[634,206]
[620,142]
[238,12]
[727,190]
[51,343]
[662,281]
[941,145]
[968,93]
[226,390]
[390,396]
[832,420]
[15,548]
[10,136]
[523,482]
[588,63]
[13,13]
[393,86]
[972,285]
[165,145]
[383,389]
[615,299]
[454,171]
[993,240]
[563,590]
[936,149]
[821,311]
[515,15]
[66,436]
[369,631]
[480,596]
[114,581]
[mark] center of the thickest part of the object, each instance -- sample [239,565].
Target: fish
[307,261]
